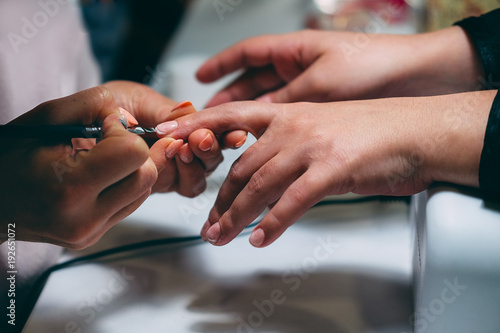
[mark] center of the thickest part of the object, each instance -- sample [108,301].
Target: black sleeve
[484,32]
[489,166]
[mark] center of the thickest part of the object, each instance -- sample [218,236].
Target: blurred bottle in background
[369,16]
[443,13]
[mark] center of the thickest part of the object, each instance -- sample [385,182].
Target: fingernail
[240,143]
[129,119]
[206,144]
[166,128]
[204,229]
[264,98]
[186,155]
[213,234]
[173,149]
[122,117]
[257,237]
[182,105]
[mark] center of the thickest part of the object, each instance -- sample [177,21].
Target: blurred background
[129,36]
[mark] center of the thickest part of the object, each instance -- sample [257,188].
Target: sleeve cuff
[489,167]
[484,32]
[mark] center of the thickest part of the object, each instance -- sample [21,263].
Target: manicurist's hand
[182,165]
[56,195]
[322,66]
[306,151]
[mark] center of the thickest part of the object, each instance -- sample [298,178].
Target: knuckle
[228,223]
[298,195]
[255,186]
[214,215]
[227,116]
[103,94]
[272,221]
[237,174]
[234,112]
[99,97]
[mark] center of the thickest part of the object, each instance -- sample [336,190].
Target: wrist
[444,62]
[453,144]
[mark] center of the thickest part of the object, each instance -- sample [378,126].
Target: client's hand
[182,167]
[323,66]
[306,151]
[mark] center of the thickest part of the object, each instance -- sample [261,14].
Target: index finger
[85,107]
[253,52]
[253,117]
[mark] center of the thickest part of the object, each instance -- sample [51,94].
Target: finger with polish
[166,128]
[127,119]
[207,143]
[185,154]
[173,149]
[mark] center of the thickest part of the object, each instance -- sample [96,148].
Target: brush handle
[49,132]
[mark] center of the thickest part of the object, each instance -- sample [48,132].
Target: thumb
[295,91]
[306,87]
[86,107]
